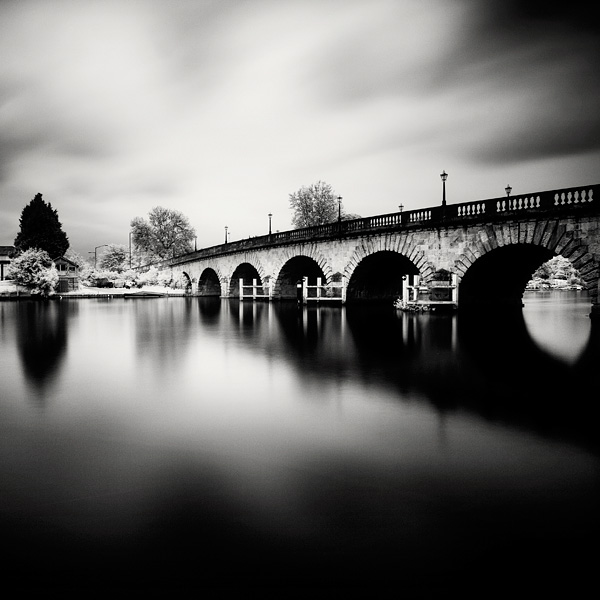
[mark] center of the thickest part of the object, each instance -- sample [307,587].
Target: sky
[221,109]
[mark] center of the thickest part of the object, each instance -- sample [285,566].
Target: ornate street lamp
[508,190]
[339,199]
[270,215]
[444,176]
[225,233]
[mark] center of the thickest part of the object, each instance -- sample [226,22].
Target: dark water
[190,444]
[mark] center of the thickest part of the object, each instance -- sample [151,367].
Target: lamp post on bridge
[225,233]
[339,199]
[508,190]
[444,176]
[270,215]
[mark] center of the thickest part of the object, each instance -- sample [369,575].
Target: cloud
[221,109]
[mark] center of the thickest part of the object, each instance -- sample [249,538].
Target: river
[190,444]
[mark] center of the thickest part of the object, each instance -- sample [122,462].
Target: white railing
[257,290]
[334,291]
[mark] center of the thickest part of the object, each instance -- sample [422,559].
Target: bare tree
[315,204]
[165,234]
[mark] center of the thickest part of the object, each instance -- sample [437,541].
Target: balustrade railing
[517,206]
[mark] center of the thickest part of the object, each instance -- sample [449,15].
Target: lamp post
[270,215]
[130,250]
[225,233]
[508,190]
[444,176]
[339,199]
[96,253]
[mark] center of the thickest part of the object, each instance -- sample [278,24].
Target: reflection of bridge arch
[497,266]
[379,276]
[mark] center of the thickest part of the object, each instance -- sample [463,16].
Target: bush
[34,270]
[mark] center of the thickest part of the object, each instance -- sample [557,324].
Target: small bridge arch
[247,272]
[209,283]
[294,270]
[379,277]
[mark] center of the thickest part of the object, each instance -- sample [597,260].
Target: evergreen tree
[40,228]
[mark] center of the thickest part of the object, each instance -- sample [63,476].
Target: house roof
[64,259]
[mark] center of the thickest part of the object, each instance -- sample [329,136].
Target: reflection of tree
[41,338]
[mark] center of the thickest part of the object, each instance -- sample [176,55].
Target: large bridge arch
[494,271]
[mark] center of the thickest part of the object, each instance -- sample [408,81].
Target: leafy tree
[558,267]
[34,270]
[166,233]
[40,228]
[315,204]
[115,258]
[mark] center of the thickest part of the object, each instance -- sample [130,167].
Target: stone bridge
[485,250]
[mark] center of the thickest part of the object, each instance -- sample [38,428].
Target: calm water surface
[197,443]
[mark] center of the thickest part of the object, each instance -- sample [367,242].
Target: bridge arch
[293,271]
[495,270]
[209,283]
[379,276]
[187,281]
[245,271]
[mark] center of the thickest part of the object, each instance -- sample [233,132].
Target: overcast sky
[222,109]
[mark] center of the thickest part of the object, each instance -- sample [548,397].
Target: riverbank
[15,292]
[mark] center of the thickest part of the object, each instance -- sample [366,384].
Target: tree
[115,258]
[315,204]
[557,267]
[166,233]
[40,228]
[34,270]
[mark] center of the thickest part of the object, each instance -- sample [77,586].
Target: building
[68,275]
[5,257]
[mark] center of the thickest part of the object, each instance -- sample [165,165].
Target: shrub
[34,270]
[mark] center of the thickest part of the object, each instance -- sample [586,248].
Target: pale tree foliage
[115,258]
[165,234]
[34,270]
[315,204]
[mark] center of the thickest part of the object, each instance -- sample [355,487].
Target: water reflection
[202,441]
[42,339]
